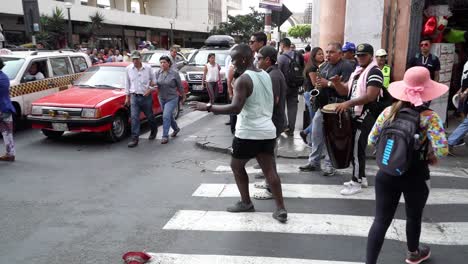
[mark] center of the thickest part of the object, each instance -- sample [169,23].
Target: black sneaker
[309,167]
[133,143]
[419,256]
[174,134]
[303,136]
[460,144]
[153,134]
[281,215]
[241,207]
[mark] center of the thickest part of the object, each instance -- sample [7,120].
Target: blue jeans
[318,142]
[459,133]
[138,104]
[308,130]
[168,107]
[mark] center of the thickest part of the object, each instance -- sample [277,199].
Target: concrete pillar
[92,3]
[315,24]
[142,7]
[128,5]
[332,21]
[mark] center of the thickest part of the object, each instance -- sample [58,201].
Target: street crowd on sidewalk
[352,84]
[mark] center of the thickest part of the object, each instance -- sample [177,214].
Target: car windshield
[153,57]
[12,66]
[102,77]
[200,57]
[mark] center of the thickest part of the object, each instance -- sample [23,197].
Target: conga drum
[338,134]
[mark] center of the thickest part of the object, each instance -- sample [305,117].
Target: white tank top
[254,121]
[212,75]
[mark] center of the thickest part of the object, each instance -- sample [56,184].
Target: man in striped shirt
[364,88]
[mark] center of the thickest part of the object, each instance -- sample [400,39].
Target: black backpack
[295,74]
[397,145]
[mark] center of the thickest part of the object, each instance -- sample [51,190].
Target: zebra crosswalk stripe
[165,258]
[446,233]
[321,191]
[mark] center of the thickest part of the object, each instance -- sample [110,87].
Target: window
[179,58]
[37,70]
[79,64]
[60,66]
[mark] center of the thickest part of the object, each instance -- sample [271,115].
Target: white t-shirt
[212,75]
[119,58]
[37,76]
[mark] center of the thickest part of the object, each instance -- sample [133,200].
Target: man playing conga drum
[335,66]
[364,87]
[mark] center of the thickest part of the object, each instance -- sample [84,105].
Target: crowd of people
[351,80]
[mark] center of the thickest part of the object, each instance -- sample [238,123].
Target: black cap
[270,52]
[365,49]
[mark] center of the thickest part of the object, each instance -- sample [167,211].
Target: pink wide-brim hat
[417,87]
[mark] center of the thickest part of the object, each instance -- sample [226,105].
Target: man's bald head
[242,56]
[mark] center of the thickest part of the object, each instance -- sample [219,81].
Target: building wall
[363,22]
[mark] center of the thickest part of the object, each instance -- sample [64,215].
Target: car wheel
[176,112]
[119,129]
[52,134]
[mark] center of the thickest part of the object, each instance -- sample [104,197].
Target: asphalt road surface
[80,199]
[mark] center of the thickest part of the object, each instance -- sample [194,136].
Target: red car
[94,103]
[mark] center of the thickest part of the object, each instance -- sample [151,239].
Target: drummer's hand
[342,107]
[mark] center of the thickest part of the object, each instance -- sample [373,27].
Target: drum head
[330,108]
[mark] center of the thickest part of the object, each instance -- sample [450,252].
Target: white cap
[380,53]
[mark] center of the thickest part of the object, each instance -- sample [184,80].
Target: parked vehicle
[57,70]
[95,103]
[221,46]
[152,57]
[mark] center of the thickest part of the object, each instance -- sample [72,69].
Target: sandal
[261,185]
[263,195]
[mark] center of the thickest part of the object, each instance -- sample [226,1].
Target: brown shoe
[7,158]
[164,140]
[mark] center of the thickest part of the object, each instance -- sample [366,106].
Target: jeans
[459,133]
[138,104]
[168,107]
[308,130]
[388,190]
[318,142]
[291,105]
[6,129]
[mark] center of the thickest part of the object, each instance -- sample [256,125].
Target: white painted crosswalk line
[370,169]
[321,191]
[182,122]
[165,258]
[448,233]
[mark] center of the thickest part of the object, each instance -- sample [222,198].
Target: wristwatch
[329,84]
[208,107]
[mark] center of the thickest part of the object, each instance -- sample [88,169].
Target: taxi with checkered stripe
[35,74]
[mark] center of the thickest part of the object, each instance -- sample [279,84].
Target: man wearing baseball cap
[381,58]
[349,49]
[364,87]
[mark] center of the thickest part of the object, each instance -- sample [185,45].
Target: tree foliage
[52,33]
[241,27]
[300,31]
[97,22]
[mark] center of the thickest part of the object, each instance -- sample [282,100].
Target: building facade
[126,21]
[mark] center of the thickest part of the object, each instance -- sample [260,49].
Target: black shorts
[250,148]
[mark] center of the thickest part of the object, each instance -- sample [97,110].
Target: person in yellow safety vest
[381,57]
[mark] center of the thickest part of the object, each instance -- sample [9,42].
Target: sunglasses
[361,55]
[252,41]
[424,45]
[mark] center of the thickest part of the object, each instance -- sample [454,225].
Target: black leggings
[388,190]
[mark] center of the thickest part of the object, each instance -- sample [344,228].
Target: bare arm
[205,70]
[370,96]
[437,76]
[340,87]
[230,78]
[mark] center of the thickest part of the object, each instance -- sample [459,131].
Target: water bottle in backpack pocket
[398,142]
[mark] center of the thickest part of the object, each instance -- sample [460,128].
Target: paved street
[82,200]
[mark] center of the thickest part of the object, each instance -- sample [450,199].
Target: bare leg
[242,179]
[268,165]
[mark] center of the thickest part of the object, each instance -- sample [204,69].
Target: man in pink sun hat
[415,89]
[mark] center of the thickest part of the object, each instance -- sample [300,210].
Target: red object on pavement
[136,257]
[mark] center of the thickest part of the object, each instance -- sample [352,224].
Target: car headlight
[90,113]
[182,77]
[36,110]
